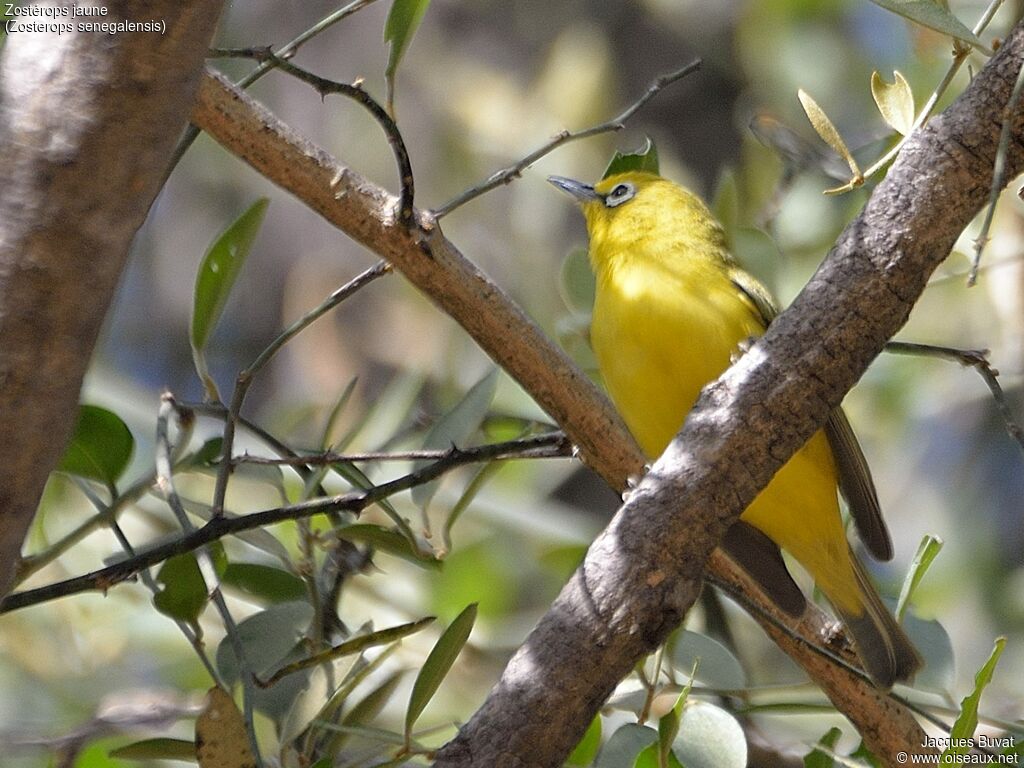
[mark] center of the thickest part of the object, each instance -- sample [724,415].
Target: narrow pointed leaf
[967,721]
[895,101]
[828,132]
[927,551]
[100,447]
[437,665]
[930,14]
[403,19]
[217,274]
[371,705]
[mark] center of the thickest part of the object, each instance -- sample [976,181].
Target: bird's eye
[620,194]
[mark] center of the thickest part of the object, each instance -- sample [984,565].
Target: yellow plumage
[672,310]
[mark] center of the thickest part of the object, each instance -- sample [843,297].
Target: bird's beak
[582,192]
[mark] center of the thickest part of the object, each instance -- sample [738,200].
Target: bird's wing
[857,487]
[855,481]
[760,557]
[755,293]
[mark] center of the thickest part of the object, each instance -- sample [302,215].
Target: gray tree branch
[87,122]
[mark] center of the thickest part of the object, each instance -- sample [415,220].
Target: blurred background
[482,84]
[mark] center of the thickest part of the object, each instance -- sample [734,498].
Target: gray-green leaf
[930,14]
[436,667]
[221,265]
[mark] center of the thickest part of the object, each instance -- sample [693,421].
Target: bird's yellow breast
[660,336]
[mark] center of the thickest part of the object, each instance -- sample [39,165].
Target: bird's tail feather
[882,645]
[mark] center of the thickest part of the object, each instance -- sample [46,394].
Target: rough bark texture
[643,573]
[87,122]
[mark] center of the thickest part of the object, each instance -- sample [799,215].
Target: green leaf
[927,551]
[828,132]
[895,101]
[100,448]
[967,721]
[264,583]
[185,591]
[930,14]
[386,540]
[625,745]
[454,428]
[586,749]
[644,158]
[216,277]
[157,749]
[403,19]
[371,705]
[576,282]
[436,667]
[822,758]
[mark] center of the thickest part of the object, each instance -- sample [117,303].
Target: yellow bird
[672,310]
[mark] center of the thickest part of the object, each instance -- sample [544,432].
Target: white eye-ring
[620,194]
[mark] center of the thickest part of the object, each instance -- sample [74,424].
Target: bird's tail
[882,645]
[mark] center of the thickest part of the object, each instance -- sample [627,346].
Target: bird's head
[636,208]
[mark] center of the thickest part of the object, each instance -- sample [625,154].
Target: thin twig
[973,358]
[355,92]
[219,527]
[246,376]
[286,51]
[551,445]
[361,280]
[165,481]
[998,176]
[505,175]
